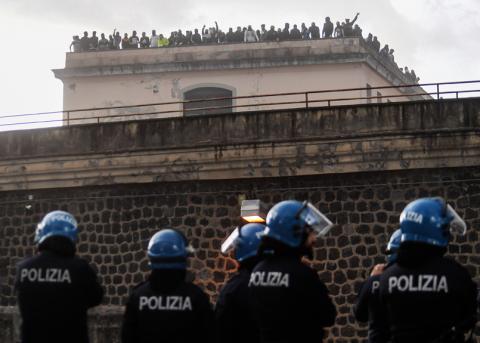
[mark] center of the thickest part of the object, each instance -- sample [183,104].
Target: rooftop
[229,56]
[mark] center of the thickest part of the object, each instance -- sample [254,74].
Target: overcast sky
[437,38]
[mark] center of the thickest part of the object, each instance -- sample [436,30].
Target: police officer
[367,306]
[426,296]
[287,298]
[167,308]
[55,288]
[233,319]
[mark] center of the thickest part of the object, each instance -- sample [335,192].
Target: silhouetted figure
[117,39]
[172,41]
[154,39]
[93,45]
[263,32]
[162,41]
[77,45]
[305,32]
[180,38]
[133,41]
[376,44]
[416,79]
[230,36]
[196,38]
[314,31]
[250,35]
[295,33]
[369,40]
[391,58]
[338,30]
[221,36]
[270,34]
[279,34]
[385,50]
[125,41]
[239,35]
[111,42]
[357,31]
[188,38]
[103,43]
[214,32]
[286,32]
[348,27]
[206,35]
[328,28]
[85,42]
[144,41]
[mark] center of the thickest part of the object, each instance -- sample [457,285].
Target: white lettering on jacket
[45,275]
[419,283]
[169,303]
[375,285]
[270,279]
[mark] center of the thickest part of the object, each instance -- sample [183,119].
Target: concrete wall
[245,145]
[152,76]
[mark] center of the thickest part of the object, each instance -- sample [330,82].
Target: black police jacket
[367,309]
[288,301]
[54,293]
[166,308]
[232,315]
[424,298]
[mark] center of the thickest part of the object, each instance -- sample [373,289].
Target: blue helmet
[393,245]
[430,221]
[244,240]
[288,221]
[168,249]
[57,223]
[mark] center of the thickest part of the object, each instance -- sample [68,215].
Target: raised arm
[355,19]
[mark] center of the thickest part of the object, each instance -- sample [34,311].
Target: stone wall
[116,222]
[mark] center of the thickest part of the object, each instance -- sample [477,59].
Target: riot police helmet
[430,221]
[168,249]
[393,245]
[290,220]
[244,241]
[57,224]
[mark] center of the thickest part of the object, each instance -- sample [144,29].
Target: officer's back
[287,298]
[55,288]
[368,307]
[234,322]
[166,308]
[290,302]
[427,297]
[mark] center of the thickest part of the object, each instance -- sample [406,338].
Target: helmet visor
[315,219]
[457,225]
[230,242]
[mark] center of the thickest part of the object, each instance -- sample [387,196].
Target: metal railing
[308,99]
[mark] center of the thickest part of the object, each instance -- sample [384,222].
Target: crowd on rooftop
[214,35]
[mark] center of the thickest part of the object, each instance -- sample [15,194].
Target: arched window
[203,93]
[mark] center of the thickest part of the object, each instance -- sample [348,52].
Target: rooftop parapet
[228,56]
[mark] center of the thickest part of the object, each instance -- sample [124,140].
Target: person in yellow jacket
[162,41]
